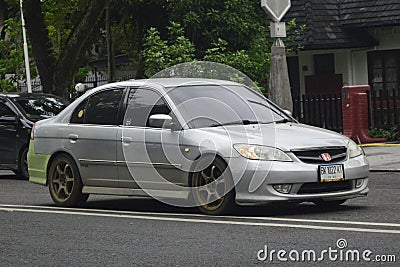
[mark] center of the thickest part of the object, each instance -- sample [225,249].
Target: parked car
[18,112]
[215,143]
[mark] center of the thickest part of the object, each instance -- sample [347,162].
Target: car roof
[166,83]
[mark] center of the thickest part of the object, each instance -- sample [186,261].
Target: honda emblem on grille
[326,157]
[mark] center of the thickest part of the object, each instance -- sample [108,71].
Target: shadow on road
[153,206]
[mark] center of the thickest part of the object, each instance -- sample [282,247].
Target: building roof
[370,13]
[333,24]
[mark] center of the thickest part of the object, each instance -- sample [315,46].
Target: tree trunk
[41,46]
[110,46]
[56,74]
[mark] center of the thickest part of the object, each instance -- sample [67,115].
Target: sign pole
[279,85]
[26,55]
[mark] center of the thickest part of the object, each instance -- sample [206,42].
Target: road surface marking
[146,216]
[207,216]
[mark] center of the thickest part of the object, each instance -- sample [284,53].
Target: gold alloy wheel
[65,184]
[62,181]
[210,187]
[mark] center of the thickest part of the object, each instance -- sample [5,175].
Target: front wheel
[212,189]
[65,184]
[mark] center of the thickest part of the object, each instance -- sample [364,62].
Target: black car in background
[18,112]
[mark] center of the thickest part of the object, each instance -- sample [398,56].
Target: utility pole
[279,85]
[26,55]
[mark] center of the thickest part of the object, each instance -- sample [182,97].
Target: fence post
[355,114]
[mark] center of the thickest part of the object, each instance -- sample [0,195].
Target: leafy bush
[391,135]
[7,86]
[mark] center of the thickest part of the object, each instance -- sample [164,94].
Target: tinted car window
[5,111]
[103,108]
[143,103]
[40,107]
[79,113]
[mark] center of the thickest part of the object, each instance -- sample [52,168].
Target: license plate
[331,173]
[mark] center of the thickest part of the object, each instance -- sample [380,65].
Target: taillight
[33,132]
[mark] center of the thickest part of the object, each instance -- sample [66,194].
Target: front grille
[313,156]
[319,188]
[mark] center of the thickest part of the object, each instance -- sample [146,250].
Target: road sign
[276,9]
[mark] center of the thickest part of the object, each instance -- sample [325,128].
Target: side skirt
[183,194]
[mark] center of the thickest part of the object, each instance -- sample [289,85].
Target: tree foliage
[160,54]
[155,34]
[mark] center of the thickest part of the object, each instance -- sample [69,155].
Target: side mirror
[287,112]
[160,121]
[9,119]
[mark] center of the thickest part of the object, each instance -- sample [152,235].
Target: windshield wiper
[242,122]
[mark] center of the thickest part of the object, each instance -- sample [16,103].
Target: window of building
[384,70]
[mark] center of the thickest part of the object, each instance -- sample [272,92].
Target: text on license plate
[331,173]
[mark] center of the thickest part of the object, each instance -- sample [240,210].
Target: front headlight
[261,152]
[353,150]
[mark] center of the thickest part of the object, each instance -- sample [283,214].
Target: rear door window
[102,108]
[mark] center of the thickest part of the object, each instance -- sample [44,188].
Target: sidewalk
[383,157]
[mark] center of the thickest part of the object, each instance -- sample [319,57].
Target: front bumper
[255,179]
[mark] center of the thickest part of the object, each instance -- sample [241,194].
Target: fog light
[359,183]
[283,188]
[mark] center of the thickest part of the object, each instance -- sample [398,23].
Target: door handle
[73,137]
[126,140]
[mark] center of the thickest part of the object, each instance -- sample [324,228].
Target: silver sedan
[191,142]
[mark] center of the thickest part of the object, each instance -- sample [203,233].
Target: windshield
[37,108]
[217,105]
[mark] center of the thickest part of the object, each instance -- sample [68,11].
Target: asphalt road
[116,231]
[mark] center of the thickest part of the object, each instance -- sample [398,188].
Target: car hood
[285,136]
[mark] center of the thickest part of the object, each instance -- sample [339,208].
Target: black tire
[65,184]
[329,203]
[22,170]
[219,197]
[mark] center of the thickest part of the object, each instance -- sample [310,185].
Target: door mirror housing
[160,121]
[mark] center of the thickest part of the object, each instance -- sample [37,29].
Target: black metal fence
[322,110]
[92,81]
[384,110]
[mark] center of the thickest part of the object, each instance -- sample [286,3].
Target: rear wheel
[65,184]
[212,189]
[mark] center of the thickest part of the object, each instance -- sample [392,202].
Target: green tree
[57,50]
[160,54]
